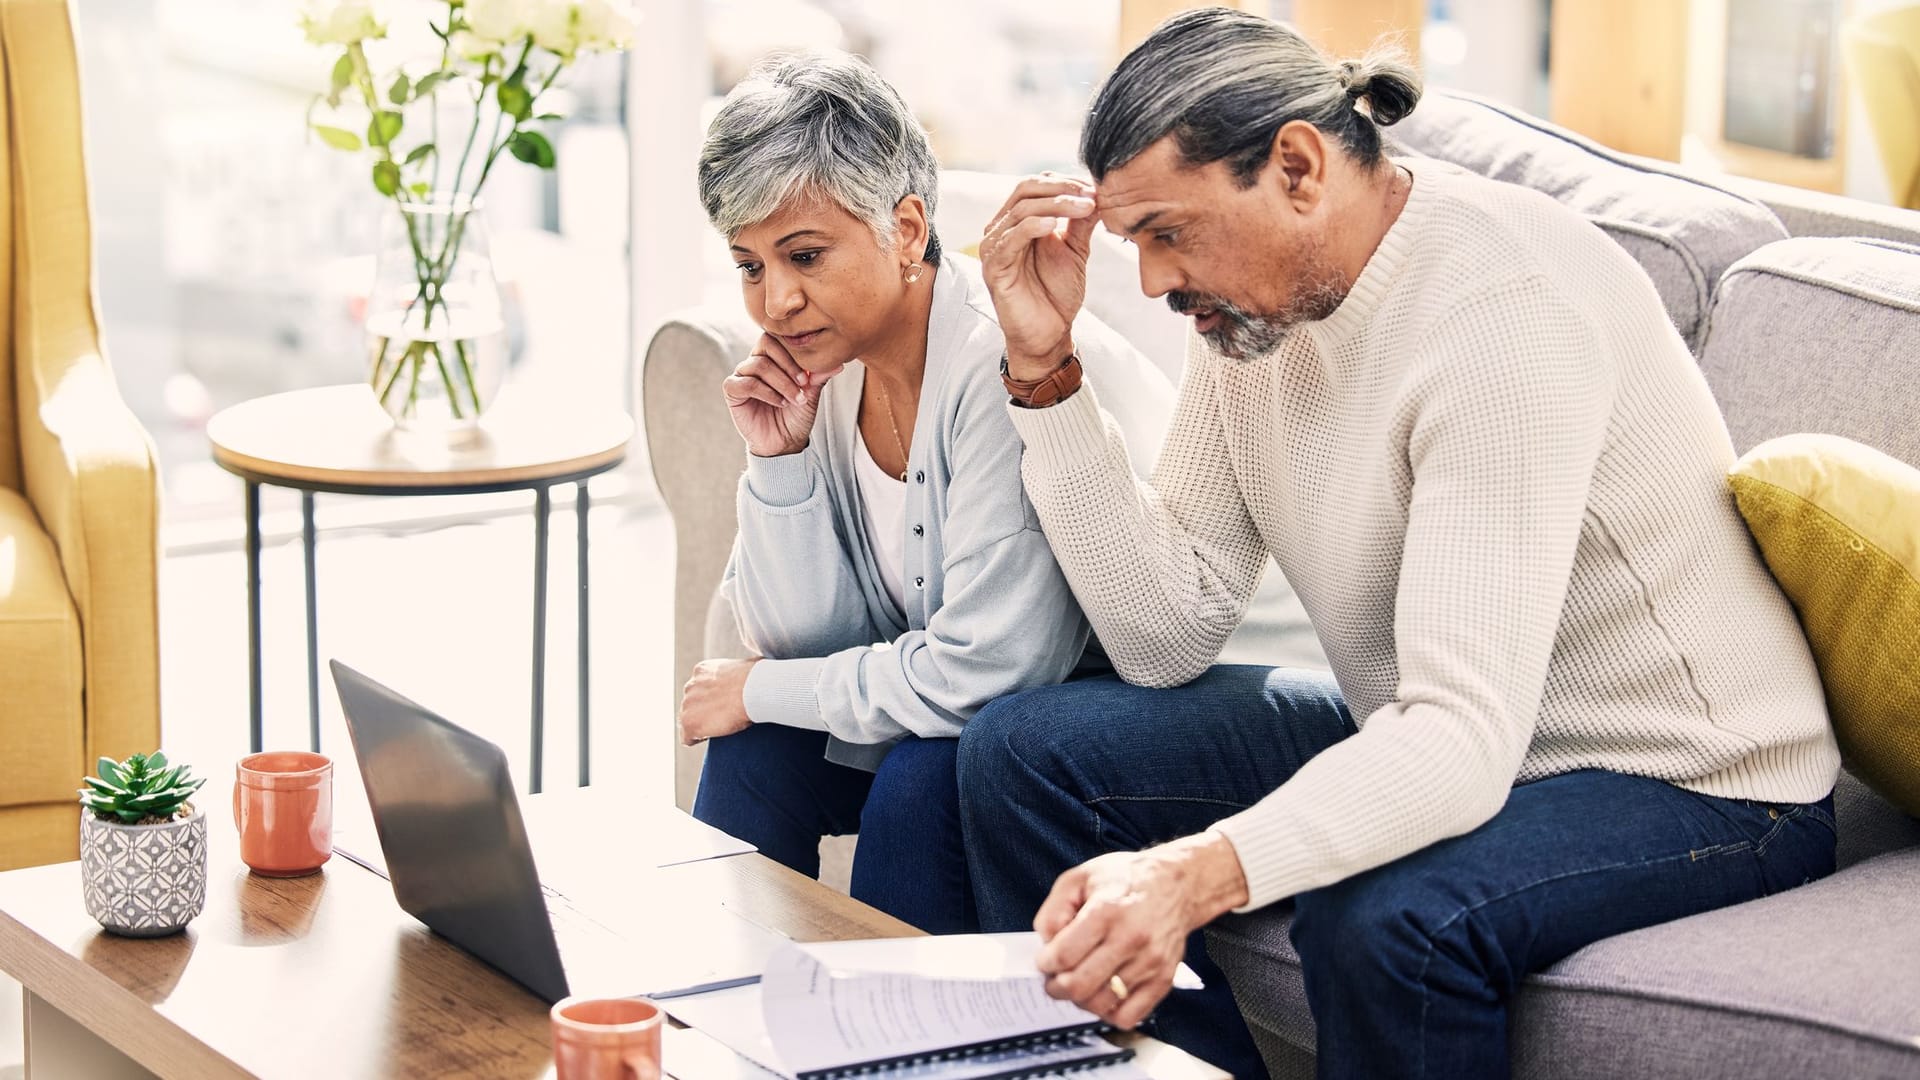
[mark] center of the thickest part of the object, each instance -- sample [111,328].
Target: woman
[889,572]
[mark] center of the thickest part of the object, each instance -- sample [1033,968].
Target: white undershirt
[885,500]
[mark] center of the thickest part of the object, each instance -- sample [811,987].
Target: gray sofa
[1799,325]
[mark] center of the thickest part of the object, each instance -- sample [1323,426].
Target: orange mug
[606,1039]
[283,807]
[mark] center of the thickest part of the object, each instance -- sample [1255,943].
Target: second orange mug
[283,807]
[606,1039]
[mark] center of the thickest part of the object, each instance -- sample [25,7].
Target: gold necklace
[887,400]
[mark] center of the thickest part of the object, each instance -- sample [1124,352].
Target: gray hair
[1224,82]
[820,124]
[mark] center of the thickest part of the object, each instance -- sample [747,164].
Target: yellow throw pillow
[1839,526]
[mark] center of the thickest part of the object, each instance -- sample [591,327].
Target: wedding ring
[1118,987]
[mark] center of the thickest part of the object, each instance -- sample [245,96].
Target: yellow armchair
[79,493]
[1883,61]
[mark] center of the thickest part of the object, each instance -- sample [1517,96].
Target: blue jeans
[773,787]
[1409,966]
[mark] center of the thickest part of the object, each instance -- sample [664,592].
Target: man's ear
[911,226]
[1298,161]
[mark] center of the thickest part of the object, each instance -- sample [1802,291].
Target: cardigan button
[919,583]
[920,477]
[919,530]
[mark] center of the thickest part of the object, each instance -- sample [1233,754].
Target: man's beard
[1245,335]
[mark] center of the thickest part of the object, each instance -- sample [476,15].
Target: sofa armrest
[91,476]
[87,466]
[697,459]
[1818,213]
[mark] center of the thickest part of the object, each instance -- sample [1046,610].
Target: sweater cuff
[1063,437]
[780,482]
[782,692]
[1276,864]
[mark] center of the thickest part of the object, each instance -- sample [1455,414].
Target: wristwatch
[1049,389]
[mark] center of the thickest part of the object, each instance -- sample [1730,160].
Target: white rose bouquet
[500,57]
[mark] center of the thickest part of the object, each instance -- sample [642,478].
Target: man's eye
[1168,238]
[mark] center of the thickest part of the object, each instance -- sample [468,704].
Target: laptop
[459,858]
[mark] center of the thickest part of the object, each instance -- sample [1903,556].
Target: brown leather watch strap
[1049,389]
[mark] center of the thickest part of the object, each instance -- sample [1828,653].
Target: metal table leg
[542,506]
[582,502]
[255,734]
[313,624]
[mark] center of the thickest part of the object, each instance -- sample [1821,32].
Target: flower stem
[446,379]
[466,367]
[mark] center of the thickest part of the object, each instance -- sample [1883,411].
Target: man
[1567,700]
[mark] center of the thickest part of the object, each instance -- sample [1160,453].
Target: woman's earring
[913,273]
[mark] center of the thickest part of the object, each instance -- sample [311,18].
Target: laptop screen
[450,828]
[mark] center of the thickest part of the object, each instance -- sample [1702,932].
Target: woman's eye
[748,269]
[805,258]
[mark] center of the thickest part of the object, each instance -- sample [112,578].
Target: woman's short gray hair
[1224,82]
[819,124]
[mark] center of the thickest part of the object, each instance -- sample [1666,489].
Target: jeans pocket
[1822,812]
[1800,848]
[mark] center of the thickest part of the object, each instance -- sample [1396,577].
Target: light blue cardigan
[988,611]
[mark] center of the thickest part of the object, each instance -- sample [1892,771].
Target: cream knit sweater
[1498,483]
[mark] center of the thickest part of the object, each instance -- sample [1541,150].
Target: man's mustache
[1186,303]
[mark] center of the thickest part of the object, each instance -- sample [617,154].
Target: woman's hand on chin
[773,400]
[714,701]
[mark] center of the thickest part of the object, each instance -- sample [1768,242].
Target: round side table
[335,439]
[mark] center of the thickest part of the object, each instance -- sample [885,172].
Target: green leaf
[420,189]
[337,138]
[549,116]
[342,78]
[383,128]
[515,99]
[429,83]
[532,148]
[401,87]
[418,153]
[156,761]
[109,771]
[103,789]
[386,177]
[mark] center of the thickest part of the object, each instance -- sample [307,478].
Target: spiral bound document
[970,1007]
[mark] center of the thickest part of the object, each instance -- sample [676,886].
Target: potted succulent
[143,846]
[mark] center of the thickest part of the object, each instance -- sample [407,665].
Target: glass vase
[436,337]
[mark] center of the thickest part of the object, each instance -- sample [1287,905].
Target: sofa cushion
[41,721]
[1683,231]
[1817,334]
[1839,526]
[1815,981]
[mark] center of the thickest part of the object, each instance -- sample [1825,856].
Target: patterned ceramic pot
[144,880]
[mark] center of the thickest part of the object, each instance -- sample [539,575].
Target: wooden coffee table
[325,976]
